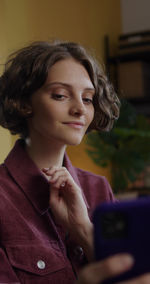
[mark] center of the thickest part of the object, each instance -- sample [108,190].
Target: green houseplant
[126,147]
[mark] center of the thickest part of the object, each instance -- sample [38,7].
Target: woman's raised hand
[68,206]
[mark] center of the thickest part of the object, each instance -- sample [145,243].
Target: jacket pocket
[36,259]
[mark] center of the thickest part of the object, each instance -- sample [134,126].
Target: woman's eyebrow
[92,89]
[58,83]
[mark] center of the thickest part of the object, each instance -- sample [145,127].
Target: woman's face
[63,107]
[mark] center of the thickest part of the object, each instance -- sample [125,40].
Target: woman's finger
[51,170]
[60,182]
[58,174]
[97,272]
[55,172]
[143,279]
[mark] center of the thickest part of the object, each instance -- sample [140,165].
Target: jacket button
[41,264]
[78,251]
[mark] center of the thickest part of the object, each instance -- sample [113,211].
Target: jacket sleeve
[7,274]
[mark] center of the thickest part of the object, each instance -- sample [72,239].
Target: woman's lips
[77,125]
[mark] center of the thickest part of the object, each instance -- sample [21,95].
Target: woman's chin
[74,142]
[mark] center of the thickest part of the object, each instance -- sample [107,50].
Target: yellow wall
[84,21]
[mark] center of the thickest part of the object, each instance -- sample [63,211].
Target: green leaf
[126,147]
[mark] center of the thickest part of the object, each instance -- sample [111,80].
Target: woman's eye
[88,101]
[58,97]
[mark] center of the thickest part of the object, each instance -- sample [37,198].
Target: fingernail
[126,260]
[45,169]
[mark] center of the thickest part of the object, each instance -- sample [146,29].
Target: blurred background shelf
[133,56]
[129,69]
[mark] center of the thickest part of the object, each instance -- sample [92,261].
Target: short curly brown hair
[26,71]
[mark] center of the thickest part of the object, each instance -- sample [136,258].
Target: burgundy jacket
[33,248]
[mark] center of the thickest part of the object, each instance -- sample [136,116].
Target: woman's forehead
[69,70]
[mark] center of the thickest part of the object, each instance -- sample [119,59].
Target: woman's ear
[26,110]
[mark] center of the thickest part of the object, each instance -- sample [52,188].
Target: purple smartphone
[124,227]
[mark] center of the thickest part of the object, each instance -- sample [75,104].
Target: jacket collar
[30,179]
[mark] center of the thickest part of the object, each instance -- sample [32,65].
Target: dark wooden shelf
[134,56]
[141,104]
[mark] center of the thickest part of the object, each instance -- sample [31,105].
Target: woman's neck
[45,154]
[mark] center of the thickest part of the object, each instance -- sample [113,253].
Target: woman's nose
[77,108]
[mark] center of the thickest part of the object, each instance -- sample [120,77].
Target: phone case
[124,227]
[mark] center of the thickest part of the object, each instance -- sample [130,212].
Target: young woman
[51,94]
